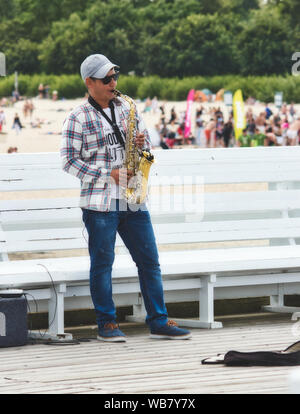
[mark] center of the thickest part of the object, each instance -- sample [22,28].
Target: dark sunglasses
[108,79]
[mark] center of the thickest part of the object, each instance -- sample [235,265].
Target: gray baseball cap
[96,66]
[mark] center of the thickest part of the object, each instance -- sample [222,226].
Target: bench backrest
[197,196]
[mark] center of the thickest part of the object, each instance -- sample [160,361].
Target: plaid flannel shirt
[84,152]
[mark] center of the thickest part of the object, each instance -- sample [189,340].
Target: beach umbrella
[207,91]
[219,95]
[200,96]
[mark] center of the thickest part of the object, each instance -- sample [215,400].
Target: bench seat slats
[75,238]
[30,160]
[212,202]
[75,269]
[174,169]
[212,176]
[240,165]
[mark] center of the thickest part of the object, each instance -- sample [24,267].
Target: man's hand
[121,176]
[140,140]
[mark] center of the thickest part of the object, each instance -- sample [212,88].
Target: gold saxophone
[136,160]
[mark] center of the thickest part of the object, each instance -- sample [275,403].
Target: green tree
[197,45]
[66,46]
[163,37]
[7,8]
[239,7]
[116,31]
[22,57]
[265,45]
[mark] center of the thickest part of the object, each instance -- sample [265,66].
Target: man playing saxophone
[94,149]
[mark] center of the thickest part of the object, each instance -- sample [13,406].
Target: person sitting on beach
[244,139]
[163,132]
[278,132]
[270,139]
[261,122]
[171,135]
[292,132]
[4,102]
[12,149]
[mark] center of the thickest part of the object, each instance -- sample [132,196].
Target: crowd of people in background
[215,129]
[279,128]
[213,126]
[28,109]
[44,92]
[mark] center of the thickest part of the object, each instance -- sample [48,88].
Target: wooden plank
[147,366]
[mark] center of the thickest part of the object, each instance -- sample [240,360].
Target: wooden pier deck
[147,366]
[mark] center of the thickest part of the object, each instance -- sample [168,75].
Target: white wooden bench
[236,237]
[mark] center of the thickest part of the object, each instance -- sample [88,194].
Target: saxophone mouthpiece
[116,92]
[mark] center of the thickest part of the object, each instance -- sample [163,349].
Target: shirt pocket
[92,139]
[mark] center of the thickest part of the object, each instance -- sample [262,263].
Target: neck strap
[112,121]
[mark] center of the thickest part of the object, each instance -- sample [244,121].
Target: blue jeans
[136,231]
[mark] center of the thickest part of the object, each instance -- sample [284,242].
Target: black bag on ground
[288,357]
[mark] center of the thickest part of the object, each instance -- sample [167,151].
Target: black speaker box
[13,321]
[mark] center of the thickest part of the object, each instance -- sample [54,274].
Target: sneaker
[110,332]
[169,331]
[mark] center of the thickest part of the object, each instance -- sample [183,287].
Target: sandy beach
[50,116]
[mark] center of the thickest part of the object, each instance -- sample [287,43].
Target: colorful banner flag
[238,113]
[188,117]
